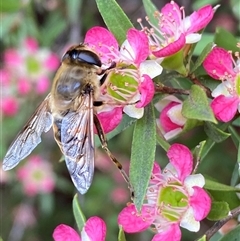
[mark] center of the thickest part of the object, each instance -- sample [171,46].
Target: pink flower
[9,106]
[174,198]
[220,65]
[94,230]
[36,176]
[131,80]
[174,30]
[171,121]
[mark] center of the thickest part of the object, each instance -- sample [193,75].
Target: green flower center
[172,201]
[33,66]
[38,175]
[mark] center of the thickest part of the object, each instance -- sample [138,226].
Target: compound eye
[89,57]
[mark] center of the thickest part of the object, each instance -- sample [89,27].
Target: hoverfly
[71,109]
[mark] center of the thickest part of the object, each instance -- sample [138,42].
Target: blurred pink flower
[220,65]
[93,230]
[9,106]
[174,198]
[120,195]
[36,176]
[25,69]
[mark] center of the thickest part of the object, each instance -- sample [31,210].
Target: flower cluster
[175,197]
[129,86]
[220,65]
[26,70]
[36,176]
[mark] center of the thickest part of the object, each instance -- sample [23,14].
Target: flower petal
[194,180]
[65,233]
[103,41]
[201,203]
[139,43]
[151,67]
[181,158]
[225,108]
[171,48]
[95,229]
[218,63]
[188,221]
[146,88]
[110,119]
[173,233]
[133,222]
[200,18]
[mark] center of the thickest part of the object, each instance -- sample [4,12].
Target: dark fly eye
[83,56]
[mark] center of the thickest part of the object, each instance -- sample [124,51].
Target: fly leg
[103,140]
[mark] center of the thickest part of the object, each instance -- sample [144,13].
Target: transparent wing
[77,140]
[30,136]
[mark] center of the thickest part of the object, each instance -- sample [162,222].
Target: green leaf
[206,39]
[125,123]
[203,238]
[233,235]
[78,214]
[11,6]
[115,19]
[202,56]
[150,9]
[197,152]
[225,39]
[121,234]
[196,106]
[162,142]
[215,133]
[218,211]
[143,154]
[213,185]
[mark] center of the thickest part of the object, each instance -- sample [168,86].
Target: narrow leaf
[216,133]
[150,9]
[115,19]
[78,214]
[121,234]
[213,185]
[203,238]
[218,211]
[196,106]
[202,56]
[143,154]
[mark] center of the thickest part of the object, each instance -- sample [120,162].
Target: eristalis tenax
[71,109]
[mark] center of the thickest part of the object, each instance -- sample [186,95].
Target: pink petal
[181,158]
[5,77]
[95,228]
[103,41]
[224,107]
[165,121]
[133,222]
[201,203]
[173,233]
[13,58]
[199,19]
[9,106]
[110,119]
[52,62]
[171,48]
[155,174]
[146,88]
[31,44]
[139,43]
[65,233]
[156,168]
[42,85]
[24,86]
[171,13]
[218,63]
